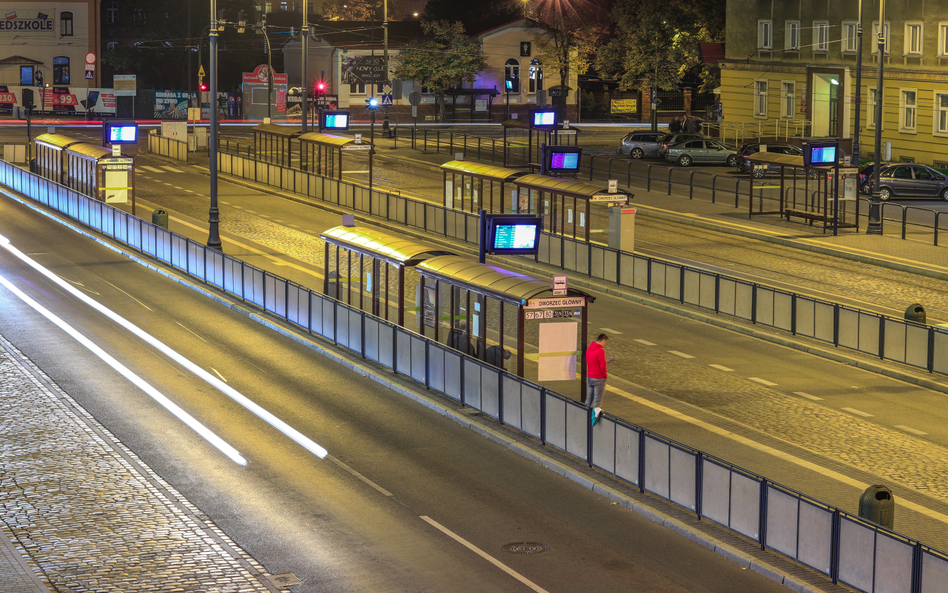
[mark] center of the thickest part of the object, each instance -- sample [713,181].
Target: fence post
[628,175]
[642,460]
[762,518]
[691,186]
[648,175]
[592,161]
[699,477]
[670,171]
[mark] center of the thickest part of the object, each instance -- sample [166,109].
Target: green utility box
[916,313]
[159,218]
[878,505]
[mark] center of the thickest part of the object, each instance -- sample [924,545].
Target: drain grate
[526,548]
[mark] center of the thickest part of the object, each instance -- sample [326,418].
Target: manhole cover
[284,580]
[526,548]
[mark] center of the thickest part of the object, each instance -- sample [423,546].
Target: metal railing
[168,147]
[835,544]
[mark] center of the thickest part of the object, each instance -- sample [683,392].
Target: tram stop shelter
[473,186]
[565,204]
[378,255]
[816,204]
[322,153]
[274,143]
[523,143]
[484,302]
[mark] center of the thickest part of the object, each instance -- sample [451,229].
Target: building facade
[790,68]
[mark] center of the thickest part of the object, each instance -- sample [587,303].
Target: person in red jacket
[596,375]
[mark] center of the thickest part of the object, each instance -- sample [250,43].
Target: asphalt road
[402,488]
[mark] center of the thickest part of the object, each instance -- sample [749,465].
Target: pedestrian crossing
[163,169]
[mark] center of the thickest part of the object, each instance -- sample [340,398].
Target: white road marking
[181,188]
[195,335]
[645,342]
[610,330]
[858,485]
[808,396]
[482,554]
[762,381]
[152,169]
[189,191]
[360,476]
[216,372]
[720,367]
[172,169]
[914,431]
[857,412]
[681,354]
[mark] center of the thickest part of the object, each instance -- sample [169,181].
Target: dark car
[866,173]
[676,138]
[641,144]
[911,181]
[745,151]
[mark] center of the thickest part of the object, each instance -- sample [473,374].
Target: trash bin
[877,505]
[159,218]
[916,313]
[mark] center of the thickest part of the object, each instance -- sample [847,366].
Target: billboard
[59,99]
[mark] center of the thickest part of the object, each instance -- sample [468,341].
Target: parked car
[910,181]
[701,152]
[641,144]
[866,173]
[745,151]
[675,138]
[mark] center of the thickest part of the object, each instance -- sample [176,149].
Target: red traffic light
[320,86]
[203,86]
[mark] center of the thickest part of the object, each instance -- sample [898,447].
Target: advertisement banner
[171,104]
[624,105]
[59,99]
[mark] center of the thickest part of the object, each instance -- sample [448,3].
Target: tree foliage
[573,31]
[445,59]
[362,10]
[655,45]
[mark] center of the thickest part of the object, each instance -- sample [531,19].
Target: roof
[390,248]
[91,150]
[326,139]
[57,140]
[522,23]
[277,130]
[562,186]
[19,60]
[776,158]
[499,283]
[481,170]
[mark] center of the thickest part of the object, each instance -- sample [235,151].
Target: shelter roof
[562,186]
[776,158]
[326,139]
[485,279]
[57,140]
[390,248]
[481,170]
[277,130]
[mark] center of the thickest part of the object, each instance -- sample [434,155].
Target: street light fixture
[874,227]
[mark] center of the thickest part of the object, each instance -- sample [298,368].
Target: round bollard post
[160,218]
[916,313]
[878,505]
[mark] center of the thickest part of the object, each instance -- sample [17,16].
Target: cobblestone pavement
[82,513]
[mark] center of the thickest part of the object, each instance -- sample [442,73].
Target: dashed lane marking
[152,169]
[172,169]
[681,354]
[610,330]
[914,431]
[857,412]
[858,485]
[762,381]
[808,396]
[720,367]
[645,342]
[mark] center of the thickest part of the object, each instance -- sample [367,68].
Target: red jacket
[596,362]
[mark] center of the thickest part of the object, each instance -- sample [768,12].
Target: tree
[656,45]
[360,10]
[445,59]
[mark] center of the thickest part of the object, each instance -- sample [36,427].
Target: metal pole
[858,87]
[213,219]
[874,227]
[385,54]
[269,69]
[305,49]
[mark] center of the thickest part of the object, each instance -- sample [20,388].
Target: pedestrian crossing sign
[386,100]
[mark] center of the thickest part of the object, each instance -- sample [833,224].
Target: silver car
[700,152]
[911,181]
[641,144]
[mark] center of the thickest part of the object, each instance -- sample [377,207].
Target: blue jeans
[595,388]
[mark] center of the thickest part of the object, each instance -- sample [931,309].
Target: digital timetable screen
[120,132]
[514,234]
[823,155]
[335,120]
[564,161]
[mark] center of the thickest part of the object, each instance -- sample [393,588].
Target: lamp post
[213,215]
[385,121]
[875,203]
[858,85]
[304,47]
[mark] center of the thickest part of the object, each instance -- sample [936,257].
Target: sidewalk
[80,512]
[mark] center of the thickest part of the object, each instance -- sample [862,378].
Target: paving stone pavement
[80,512]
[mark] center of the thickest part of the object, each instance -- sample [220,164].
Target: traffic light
[320,86]
[373,103]
[202,85]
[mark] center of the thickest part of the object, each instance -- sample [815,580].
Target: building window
[875,37]
[512,76]
[65,24]
[765,34]
[913,39]
[907,110]
[941,113]
[61,70]
[850,40]
[111,12]
[792,41]
[26,75]
[789,99]
[357,88]
[760,105]
[871,109]
[536,76]
[821,33]
[943,40]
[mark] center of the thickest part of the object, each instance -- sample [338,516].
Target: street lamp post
[213,215]
[304,48]
[856,131]
[875,203]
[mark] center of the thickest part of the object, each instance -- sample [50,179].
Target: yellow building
[790,71]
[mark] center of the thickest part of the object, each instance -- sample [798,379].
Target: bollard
[160,218]
[878,505]
[916,313]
